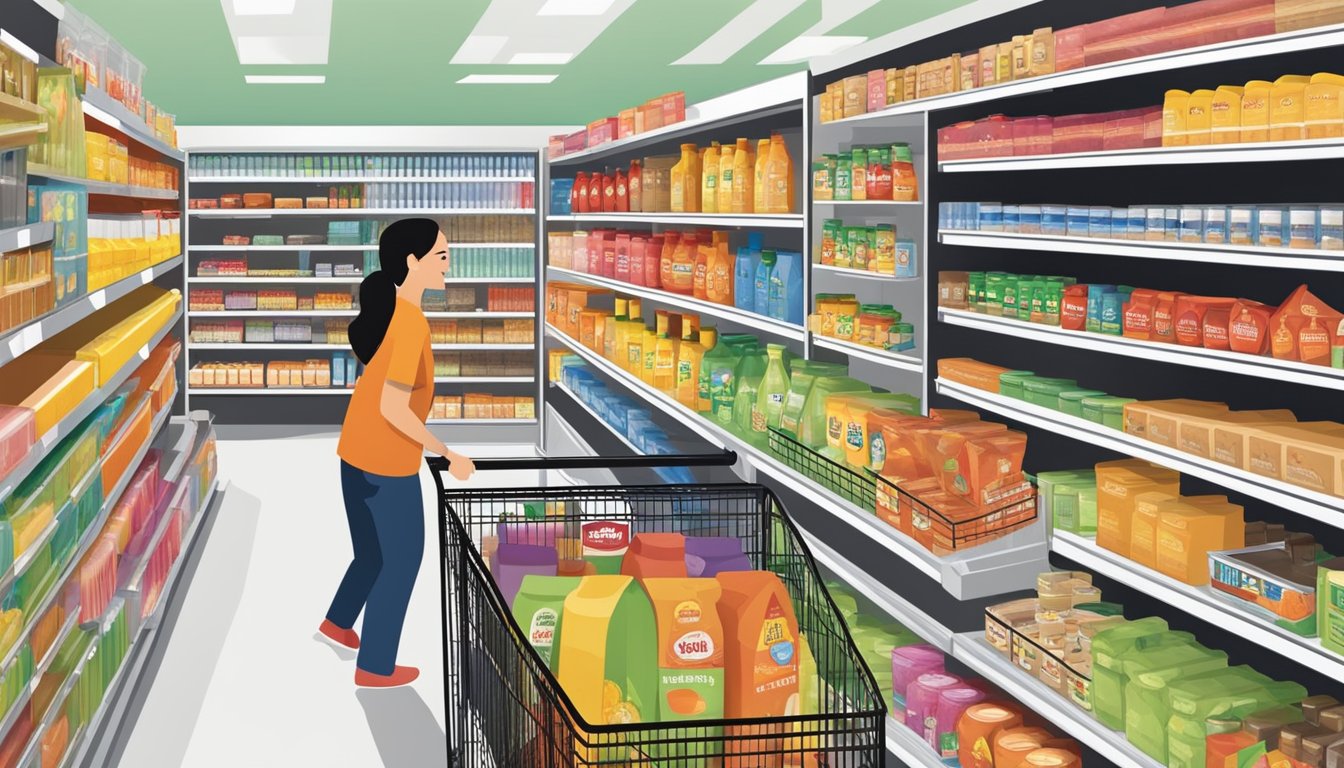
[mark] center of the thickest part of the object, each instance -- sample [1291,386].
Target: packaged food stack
[297,374]
[18,75]
[336,331]
[13,183]
[504,299]
[867,173]
[482,406]
[111,337]
[874,249]
[121,247]
[217,332]
[222,268]
[61,148]
[662,111]
[841,316]
[207,300]
[97,580]
[476,364]
[277,300]
[27,286]
[18,432]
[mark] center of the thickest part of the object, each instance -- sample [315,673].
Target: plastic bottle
[744,177]
[578,197]
[665,353]
[633,360]
[596,183]
[709,179]
[779,178]
[612,330]
[770,396]
[786,288]
[719,279]
[703,402]
[744,273]
[758,183]
[608,193]
[761,295]
[749,374]
[703,253]
[686,181]
[649,348]
[670,242]
[680,277]
[689,355]
[622,192]
[727,170]
[634,186]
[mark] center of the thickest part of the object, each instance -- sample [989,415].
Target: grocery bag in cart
[676,625]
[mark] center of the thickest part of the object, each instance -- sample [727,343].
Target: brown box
[1292,15]
[258,200]
[1307,455]
[1042,52]
[287,203]
[989,69]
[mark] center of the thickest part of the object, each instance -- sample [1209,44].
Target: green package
[538,608]
[844,178]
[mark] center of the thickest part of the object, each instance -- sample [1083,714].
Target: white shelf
[895,360]
[1238,50]
[104,187]
[72,420]
[17,341]
[1010,563]
[16,110]
[862,274]
[867,203]
[741,317]
[495,280]
[324,248]
[908,748]
[1195,357]
[776,221]
[971,649]
[250,313]
[232,280]
[1259,152]
[1227,254]
[361,179]
[303,345]
[14,238]
[112,113]
[1201,602]
[266,213]
[1318,506]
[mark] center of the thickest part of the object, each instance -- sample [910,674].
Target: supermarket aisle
[242,679]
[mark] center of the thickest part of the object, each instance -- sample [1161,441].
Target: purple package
[518,531]
[514,561]
[708,556]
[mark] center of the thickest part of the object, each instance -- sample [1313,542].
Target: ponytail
[378,291]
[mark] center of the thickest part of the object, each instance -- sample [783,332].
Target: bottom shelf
[971,649]
[908,748]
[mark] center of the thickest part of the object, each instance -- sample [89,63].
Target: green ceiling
[388,62]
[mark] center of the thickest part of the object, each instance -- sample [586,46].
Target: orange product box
[50,385]
[1156,420]
[1304,328]
[972,373]
[1188,531]
[1191,312]
[1201,434]
[1309,455]
[1119,483]
[1143,526]
[258,200]
[975,465]
[945,523]
[626,123]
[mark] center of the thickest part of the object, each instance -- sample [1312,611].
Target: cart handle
[721,459]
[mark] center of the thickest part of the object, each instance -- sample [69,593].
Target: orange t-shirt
[368,441]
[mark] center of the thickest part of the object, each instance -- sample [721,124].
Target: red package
[878,182]
[608,194]
[596,183]
[991,137]
[1138,314]
[1123,130]
[622,270]
[1077,133]
[578,196]
[1191,312]
[1069,45]
[576,142]
[1248,327]
[555,146]
[1208,22]
[1216,322]
[1152,127]
[1164,317]
[877,90]
[1124,37]
[622,193]
[637,247]
[1073,308]
[609,254]
[594,252]
[1303,327]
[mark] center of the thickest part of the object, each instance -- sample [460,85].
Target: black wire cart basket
[506,709]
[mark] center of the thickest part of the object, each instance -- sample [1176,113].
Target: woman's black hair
[378,291]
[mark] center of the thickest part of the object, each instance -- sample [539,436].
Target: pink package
[594,266]
[951,142]
[1077,133]
[991,137]
[1033,135]
[1069,45]
[97,580]
[877,90]
[1209,22]
[952,703]
[1124,37]
[555,146]
[18,432]
[1152,126]
[577,141]
[1124,130]
[921,702]
[908,663]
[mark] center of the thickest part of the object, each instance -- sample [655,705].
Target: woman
[382,446]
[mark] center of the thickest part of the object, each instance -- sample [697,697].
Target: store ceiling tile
[400,62]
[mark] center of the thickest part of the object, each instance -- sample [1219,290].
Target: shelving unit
[239,171]
[105,187]
[15,238]
[880,357]
[764,221]
[1266,152]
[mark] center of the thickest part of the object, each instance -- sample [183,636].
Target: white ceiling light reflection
[737,34]
[285,79]
[264,7]
[523,32]
[507,79]
[542,59]
[575,7]
[267,32]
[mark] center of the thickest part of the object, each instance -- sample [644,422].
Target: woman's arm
[395,406]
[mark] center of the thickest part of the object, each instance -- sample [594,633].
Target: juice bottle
[665,356]
[761,672]
[709,179]
[761,296]
[596,183]
[750,372]
[770,396]
[688,363]
[633,183]
[744,272]
[719,279]
[681,269]
[610,332]
[779,178]
[758,189]
[727,168]
[634,340]
[720,364]
[686,181]
[703,253]
[670,242]
[578,196]
[608,192]
[649,348]
[699,399]
[622,192]
[744,177]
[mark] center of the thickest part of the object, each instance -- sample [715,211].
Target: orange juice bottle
[681,268]
[758,189]
[709,179]
[761,671]
[686,181]
[665,354]
[634,341]
[744,178]
[670,242]
[703,253]
[719,279]
[649,348]
[779,178]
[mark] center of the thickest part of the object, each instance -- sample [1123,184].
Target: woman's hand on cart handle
[459,466]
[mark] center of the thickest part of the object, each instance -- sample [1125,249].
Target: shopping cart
[505,708]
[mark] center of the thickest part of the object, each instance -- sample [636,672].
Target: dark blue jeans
[387,528]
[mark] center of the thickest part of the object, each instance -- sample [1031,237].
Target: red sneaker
[342,637]
[400,676]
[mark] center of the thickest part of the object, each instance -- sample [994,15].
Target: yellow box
[1175,116]
[1255,111]
[1225,115]
[1287,108]
[1199,118]
[96,155]
[1324,116]
[1119,483]
[1188,532]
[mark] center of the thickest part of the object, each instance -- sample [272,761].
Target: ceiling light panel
[529,37]
[507,79]
[285,79]
[301,36]
[754,21]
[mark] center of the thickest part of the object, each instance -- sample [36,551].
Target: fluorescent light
[18,46]
[575,7]
[542,59]
[282,49]
[804,47]
[264,7]
[507,79]
[741,31]
[285,79]
[479,49]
